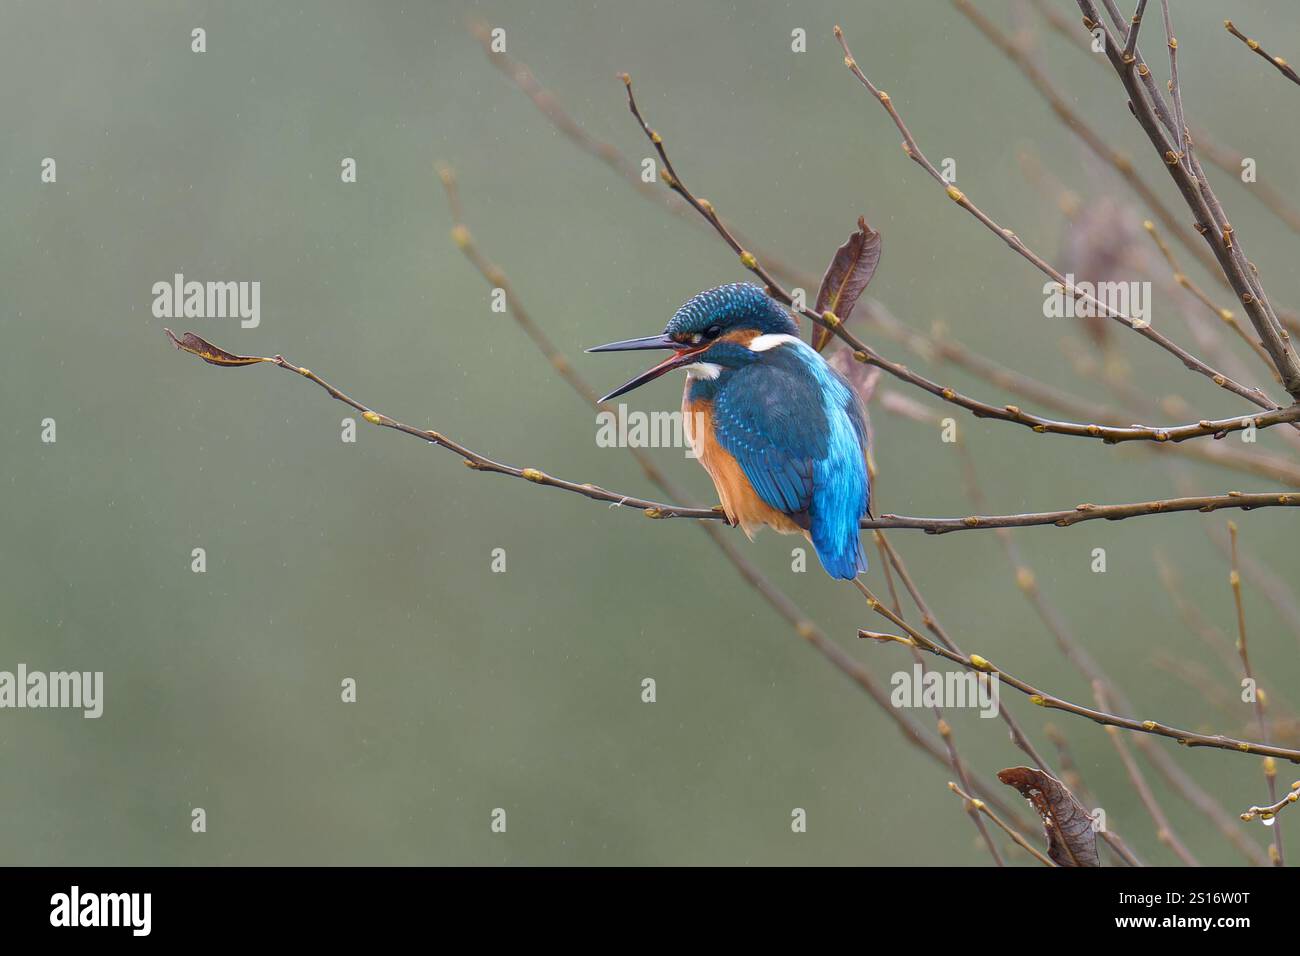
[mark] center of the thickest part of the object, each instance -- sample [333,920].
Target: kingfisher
[780,432]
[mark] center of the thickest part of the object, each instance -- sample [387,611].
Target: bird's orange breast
[740,501]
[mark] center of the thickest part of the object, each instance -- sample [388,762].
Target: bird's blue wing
[796,429]
[771,419]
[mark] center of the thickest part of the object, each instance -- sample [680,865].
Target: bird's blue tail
[843,557]
[841,495]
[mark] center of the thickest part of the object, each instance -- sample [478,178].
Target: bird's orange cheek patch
[740,337]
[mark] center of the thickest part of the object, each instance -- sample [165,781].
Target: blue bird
[779,431]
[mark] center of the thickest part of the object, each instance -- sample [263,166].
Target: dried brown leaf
[848,274]
[189,342]
[1071,840]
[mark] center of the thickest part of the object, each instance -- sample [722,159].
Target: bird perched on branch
[781,433]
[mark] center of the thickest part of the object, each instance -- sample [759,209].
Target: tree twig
[549,105]
[1131,39]
[1273,809]
[1018,245]
[1075,121]
[1019,840]
[1270,768]
[1227,158]
[1164,832]
[931,623]
[1226,316]
[658,509]
[1282,65]
[939,347]
[1155,118]
[979,664]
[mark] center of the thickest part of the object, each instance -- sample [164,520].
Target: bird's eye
[713,331]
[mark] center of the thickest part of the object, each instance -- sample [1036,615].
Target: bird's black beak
[686,354]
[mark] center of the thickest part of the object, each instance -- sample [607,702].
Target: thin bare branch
[940,347]
[1077,123]
[1261,712]
[979,664]
[1086,512]
[1175,90]
[658,509]
[1164,832]
[1226,157]
[549,105]
[931,623]
[1018,245]
[1282,65]
[1154,116]
[1267,813]
[1019,840]
[1078,656]
[1130,41]
[1226,316]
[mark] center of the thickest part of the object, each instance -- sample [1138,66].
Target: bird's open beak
[685,355]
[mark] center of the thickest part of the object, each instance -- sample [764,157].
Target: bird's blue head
[713,327]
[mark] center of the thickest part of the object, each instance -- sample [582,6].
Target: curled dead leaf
[846,277]
[189,342]
[1071,839]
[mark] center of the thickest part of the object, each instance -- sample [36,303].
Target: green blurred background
[371,560]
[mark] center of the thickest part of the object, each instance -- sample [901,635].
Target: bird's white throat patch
[762,343]
[703,370]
